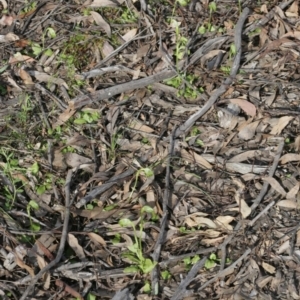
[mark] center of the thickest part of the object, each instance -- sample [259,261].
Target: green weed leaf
[33,204]
[125,223]
[131,269]
[165,275]
[148,265]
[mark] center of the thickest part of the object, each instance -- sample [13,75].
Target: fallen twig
[181,290]
[161,237]
[254,205]
[225,271]
[62,240]
[223,88]
[271,174]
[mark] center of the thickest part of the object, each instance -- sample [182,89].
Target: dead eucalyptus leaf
[288,204]
[248,131]
[101,22]
[281,124]
[245,105]
[275,185]
[289,157]
[73,242]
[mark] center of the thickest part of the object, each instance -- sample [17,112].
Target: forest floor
[149,150]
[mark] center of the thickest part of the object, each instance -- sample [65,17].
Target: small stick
[251,223]
[62,240]
[161,238]
[181,290]
[223,88]
[225,271]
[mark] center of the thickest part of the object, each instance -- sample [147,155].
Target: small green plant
[209,27]
[147,287]
[128,16]
[46,184]
[87,117]
[135,253]
[10,166]
[33,205]
[165,275]
[211,262]
[232,51]
[194,132]
[190,261]
[37,49]
[116,239]
[187,92]
[29,6]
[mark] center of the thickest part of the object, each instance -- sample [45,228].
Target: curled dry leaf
[73,242]
[105,3]
[281,124]
[244,208]
[248,131]
[25,77]
[18,57]
[9,37]
[224,221]
[101,22]
[6,20]
[44,77]
[270,269]
[107,49]
[129,35]
[288,204]
[194,220]
[97,239]
[245,105]
[275,185]
[293,192]
[289,157]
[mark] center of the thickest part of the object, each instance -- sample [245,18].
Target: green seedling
[165,275]
[33,205]
[116,239]
[45,186]
[184,230]
[209,27]
[135,253]
[87,117]
[190,261]
[128,16]
[68,149]
[91,297]
[188,91]
[148,172]
[37,49]
[194,132]
[147,287]
[29,6]
[212,261]
[232,51]
[10,166]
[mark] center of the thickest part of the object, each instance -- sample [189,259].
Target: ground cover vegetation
[149,149]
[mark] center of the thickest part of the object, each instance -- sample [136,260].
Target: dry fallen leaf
[248,131]
[101,22]
[287,204]
[129,35]
[270,269]
[105,3]
[245,105]
[281,124]
[289,157]
[275,185]
[73,242]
